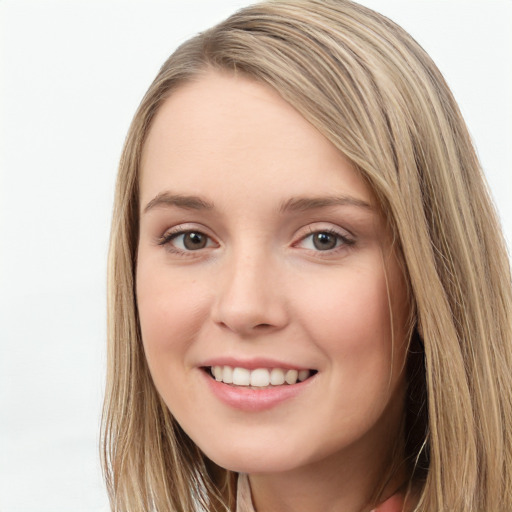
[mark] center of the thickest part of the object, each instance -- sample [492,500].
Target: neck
[354,480]
[324,491]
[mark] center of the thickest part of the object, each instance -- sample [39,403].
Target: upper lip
[252,363]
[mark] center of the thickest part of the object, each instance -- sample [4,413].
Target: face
[265,282]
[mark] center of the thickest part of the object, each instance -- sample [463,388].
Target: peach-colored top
[244,500]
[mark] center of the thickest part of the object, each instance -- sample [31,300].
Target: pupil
[194,241]
[324,241]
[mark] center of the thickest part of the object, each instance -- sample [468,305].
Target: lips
[258,377]
[256,384]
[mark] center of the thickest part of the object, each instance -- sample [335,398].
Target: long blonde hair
[370,89]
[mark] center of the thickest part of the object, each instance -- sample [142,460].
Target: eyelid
[346,239]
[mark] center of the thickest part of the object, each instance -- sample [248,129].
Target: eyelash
[343,241]
[175,233]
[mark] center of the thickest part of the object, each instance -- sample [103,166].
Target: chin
[253,466]
[260,458]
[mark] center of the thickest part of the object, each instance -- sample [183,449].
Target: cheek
[350,317]
[171,313]
[351,324]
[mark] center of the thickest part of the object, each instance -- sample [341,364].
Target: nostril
[247,327]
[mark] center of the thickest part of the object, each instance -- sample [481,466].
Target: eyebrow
[312,203]
[295,204]
[181,201]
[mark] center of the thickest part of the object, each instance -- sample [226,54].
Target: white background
[71,75]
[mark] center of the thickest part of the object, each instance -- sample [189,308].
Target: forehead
[221,133]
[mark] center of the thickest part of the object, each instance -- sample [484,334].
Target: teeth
[277,377]
[260,377]
[227,375]
[303,375]
[291,376]
[218,373]
[241,377]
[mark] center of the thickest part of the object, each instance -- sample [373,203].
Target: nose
[250,299]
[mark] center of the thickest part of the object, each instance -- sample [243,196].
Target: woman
[309,294]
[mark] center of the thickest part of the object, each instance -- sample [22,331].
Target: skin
[260,287]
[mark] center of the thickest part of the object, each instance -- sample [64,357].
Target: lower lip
[250,399]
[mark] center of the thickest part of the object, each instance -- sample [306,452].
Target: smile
[260,387]
[258,377]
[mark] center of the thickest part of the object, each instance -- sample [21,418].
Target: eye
[186,241]
[325,240]
[191,241]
